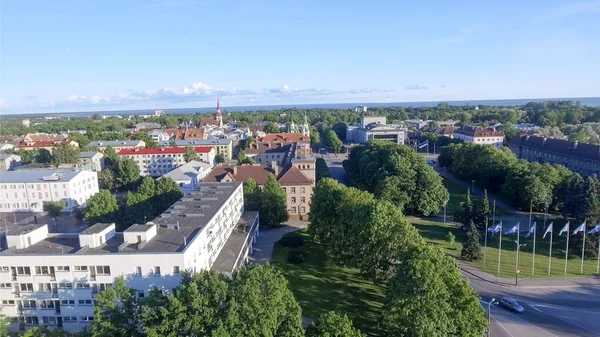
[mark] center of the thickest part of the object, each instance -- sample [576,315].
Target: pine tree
[467,213]
[471,248]
[482,212]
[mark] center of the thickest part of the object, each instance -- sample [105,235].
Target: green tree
[64,154]
[43,156]
[220,158]
[322,169]
[271,128]
[450,238]
[167,193]
[107,178]
[54,208]
[246,142]
[482,211]
[315,138]
[340,130]
[4,325]
[272,203]
[42,332]
[467,213]
[110,157]
[332,324]
[82,140]
[117,312]
[128,172]
[143,135]
[242,159]
[101,207]
[251,197]
[262,305]
[333,141]
[471,249]
[190,154]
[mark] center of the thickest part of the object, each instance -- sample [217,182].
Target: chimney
[275,168]
[235,170]
[575,145]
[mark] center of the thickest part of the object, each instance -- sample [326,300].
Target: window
[82,285]
[49,320]
[43,270]
[44,286]
[85,302]
[140,294]
[63,268]
[31,320]
[302,199]
[293,210]
[81,268]
[65,285]
[103,270]
[69,319]
[5,285]
[176,270]
[157,270]
[28,304]
[26,286]
[293,190]
[46,304]
[302,190]
[293,200]
[23,271]
[67,302]
[138,271]
[86,318]
[8,302]
[4,268]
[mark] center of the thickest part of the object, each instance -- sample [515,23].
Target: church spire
[305,128]
[218,107]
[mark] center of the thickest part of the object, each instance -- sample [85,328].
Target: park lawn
[458,194]
[320,285]
[435,233]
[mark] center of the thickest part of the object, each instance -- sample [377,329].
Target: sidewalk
[530,283]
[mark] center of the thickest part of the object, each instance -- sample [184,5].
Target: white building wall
[30,197]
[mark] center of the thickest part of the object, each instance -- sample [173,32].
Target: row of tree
[322,169]
[398,174]
[60,154]
[425,294]
[270,201]
[151,199]
[525,183]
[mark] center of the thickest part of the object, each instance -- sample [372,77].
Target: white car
[511,304]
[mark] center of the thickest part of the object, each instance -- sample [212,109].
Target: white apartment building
[8,162]
[222,146]
[158,135]
[51,278]
[26,191]
[94,160]
[118,145]
[480,136]
[188,175]
[158,161]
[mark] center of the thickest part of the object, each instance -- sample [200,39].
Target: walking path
[263,249]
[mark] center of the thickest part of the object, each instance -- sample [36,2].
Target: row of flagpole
[532,230]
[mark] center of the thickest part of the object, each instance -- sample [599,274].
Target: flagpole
[533,263]
[567,251]
[518,248]
[494,213]
[500,247]
[550,259]
[485,244]
[598,264]
[583,248]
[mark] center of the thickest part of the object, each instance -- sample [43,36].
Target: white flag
[531,230]
[513,230]
[579,229]
[595,229]
[548,230]
[565,229]
[495,229]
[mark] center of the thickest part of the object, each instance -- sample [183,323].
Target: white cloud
[415,87]
[2,103]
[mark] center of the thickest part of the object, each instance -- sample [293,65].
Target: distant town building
[118,145]
[222,146]
[93,159]
[266,152]
[194,134]
[25,122]
[360,108]
[376,127]
[8,162]
[27,191]
[481,136]
[62,268]
[216,121]
[285,137]
[40,136]
[147,126]
[45,144]
[188,175]
[525,127]
[578,157]
[158,161]
[445,131]
[158,135]
[6,146]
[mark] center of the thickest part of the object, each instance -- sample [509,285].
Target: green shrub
[296,257]
[291,241]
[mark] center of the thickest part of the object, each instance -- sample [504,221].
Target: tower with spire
[305,128]
[219,115]
[292,126]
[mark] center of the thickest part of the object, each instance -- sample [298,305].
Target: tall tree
[64,154]
[333,140]
[167,193]
[332,324]
[117,312]
[101,207]
[273,203]
[128,172]
[43,156]
[81,139]
[251,197]
[471,249]
[220,158]
[54,208]
[271,128]
[147,187]
[467,213]
[190,154]
[482,211]
[110,157]
[107,178]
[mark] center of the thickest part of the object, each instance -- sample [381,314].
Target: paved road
[263,249]
[336,170]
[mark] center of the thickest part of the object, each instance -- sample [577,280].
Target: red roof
[165,150]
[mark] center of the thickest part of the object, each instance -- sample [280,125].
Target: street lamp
[490,317]
[517,271]
[473,186]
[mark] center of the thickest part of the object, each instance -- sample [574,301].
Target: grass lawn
[320,285]
[458,195]
[435,232]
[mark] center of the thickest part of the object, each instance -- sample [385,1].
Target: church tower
[305,128]
[219,116]
[293,126]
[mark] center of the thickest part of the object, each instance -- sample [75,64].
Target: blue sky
[110,55]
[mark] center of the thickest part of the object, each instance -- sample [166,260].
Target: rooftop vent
[193,215]
[173,226]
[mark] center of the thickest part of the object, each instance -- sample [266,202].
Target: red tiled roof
[478,132]
[262,147]
[194,133]
[44,143]
[259,173]
[290,137]
[293,176]
[209,121]
[165,150]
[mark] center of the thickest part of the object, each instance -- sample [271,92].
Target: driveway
[263,248]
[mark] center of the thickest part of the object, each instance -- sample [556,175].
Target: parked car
[511,304]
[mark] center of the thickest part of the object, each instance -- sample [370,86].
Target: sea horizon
[588,101]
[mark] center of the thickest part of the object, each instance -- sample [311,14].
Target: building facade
[578,157]
[8,162]
[45,144]
[376,128]
[155,162]
[480,136]
[158,135]
[51,278]
[118,145]
[221,146]
[27,191]
[188,175]
[93,159]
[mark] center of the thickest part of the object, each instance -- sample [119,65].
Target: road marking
[577,325]
[502,326]
[526,321]
[561,308]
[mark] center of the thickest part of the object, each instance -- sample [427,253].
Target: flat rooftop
[180,222]
[45,176]
[236,243]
